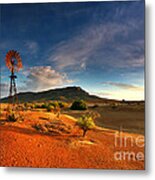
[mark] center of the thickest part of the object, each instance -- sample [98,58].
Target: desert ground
[42,139]
[130,118]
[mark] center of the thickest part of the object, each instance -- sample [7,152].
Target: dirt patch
[22,145]
[56,127]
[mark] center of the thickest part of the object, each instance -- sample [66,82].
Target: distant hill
[63,94]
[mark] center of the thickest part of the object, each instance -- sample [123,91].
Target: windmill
[14,64]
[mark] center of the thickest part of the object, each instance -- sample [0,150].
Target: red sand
[23,146]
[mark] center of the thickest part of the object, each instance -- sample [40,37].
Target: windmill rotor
[13,61]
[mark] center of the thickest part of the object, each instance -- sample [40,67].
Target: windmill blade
[12,54]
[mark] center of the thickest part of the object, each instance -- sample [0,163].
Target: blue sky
[97,45]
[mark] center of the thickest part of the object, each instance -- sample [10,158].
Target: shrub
[86,123]
[123,100]
[36,106]
[56,127]
[63,104]
[78,105]
[114,106]
[49,108]
[26,105]
[31,106]
[12,116]
[44,106]
[20,107]
[54,104]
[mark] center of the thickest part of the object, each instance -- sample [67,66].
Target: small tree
[79,105]
[86,123]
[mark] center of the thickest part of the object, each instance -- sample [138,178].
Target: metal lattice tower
[14,64]
[13,89]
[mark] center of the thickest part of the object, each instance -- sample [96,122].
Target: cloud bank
[124,86]
[98,42]
[40,78]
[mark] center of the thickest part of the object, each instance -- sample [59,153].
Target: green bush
[79,105]
[51,105]
[36,106]
[54,104]
[63,104]
[49,108]
[44,106]
[86,123]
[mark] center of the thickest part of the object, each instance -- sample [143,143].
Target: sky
[98,46]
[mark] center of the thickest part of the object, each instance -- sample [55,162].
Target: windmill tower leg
[13,90]
[10,91]
[14,63]
[13,104]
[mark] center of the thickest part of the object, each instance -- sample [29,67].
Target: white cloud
[122,94]
[124,86]
[129,54]
[75,53]
[43,78]
[118,90]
